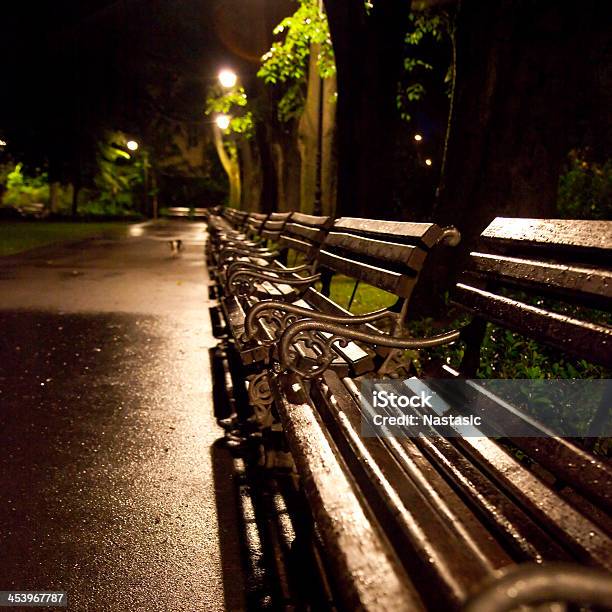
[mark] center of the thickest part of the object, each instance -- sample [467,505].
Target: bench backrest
[274,225]
[237,218]
[542,278]
[305,234]
[255,223]
[386,254]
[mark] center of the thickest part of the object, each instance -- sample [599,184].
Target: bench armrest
[281,315]
[530,583]
[241,281]
[249,265]
[310,332]
[233,251]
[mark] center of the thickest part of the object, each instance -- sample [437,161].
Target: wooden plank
[402,231]
[592,238]
[436,537]
[275,226]
[298,245]
[279,216]
[360,558]
[548,277]
[311,220]
[394,282]
[582,339]
[376,252]
[575,531]
[312,234]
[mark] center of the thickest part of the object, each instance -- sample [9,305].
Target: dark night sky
[72,67]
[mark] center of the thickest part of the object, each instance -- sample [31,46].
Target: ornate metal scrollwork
[321,347]
[323,335]
[241,282]
[279,315]
[451,236]
[229,252]
[249,265]
[260,398]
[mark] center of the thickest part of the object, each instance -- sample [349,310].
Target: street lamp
[428,162]
[2,143]
[132,145]
[227,78]
[418,137]
[223,121]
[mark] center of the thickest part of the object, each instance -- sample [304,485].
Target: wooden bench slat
[369,575]
[408,232]
[298,245]
[548,277]
[310,220]
[394,282]
[445,546]
[590,239]
[579,338]
[375,251]
[312,234]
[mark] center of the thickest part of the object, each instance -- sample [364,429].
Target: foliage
[585,189]
[505,354]
[430,28]
[119,175]
[286,63]
[22,189]
[232,102]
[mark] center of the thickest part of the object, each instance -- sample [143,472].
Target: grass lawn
[22,236]
[367,298]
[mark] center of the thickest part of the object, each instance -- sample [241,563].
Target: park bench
[236,230]
[264,233]
[426,521]
[248,282]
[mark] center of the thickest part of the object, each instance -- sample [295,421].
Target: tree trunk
[251,176]
[287,165]
[329,173]
[76,188]
[517,86]
[154,198]
[231,167]
[308,136]
[368,50]
[53,196]
[308,140]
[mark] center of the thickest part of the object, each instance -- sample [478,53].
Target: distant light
[223,121]
[418,137]
[227,78]
[136,230]
[2,143]
[132,145]
[428,162]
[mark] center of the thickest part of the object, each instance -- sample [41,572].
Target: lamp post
[133,146]
[317,207]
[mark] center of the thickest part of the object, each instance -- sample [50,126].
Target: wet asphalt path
[107,435]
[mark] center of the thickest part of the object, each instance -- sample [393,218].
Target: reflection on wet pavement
[106,427]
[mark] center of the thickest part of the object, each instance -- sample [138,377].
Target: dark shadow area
[262,519]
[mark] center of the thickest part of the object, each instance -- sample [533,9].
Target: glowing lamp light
[223,121]
[227,78]
[132,145]
[428,162]
[418,137]
[2,143]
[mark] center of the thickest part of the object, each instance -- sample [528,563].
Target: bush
[585,189]
[22,190]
